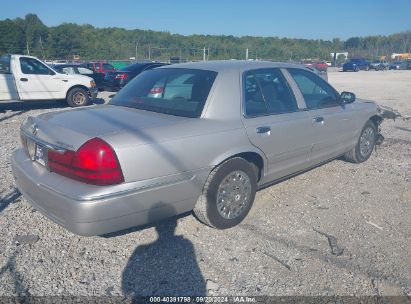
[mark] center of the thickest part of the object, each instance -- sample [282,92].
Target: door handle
[263,130]
[24,79]
[318,119]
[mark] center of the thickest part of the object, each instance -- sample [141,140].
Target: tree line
[30,35]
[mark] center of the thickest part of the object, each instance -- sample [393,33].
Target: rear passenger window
[84,71]
[5,64]
[68,70]
[266,92]
[316,92]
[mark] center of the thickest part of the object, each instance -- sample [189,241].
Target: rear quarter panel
[197,144]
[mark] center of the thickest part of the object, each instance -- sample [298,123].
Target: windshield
[180,92]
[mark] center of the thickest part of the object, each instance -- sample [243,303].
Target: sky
[310,19]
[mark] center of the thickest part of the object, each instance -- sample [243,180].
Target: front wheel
[365,145]
[77,97]
[228,194]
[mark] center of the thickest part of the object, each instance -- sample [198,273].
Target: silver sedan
[196,136]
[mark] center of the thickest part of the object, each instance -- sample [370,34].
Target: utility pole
[42,48]
[149,52]
[136,49]
[204,54]
[246,54]
[27,45]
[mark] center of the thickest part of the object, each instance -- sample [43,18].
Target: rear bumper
[93,210]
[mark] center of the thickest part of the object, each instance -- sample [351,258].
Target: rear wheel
[228,194]
[356,69]
[365,145]
[77,97]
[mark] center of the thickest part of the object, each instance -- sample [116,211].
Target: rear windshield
[107,66]
[134,67]
[180,92]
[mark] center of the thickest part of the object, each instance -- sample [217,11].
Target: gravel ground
[339,229]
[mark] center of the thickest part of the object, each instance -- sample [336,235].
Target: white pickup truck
[27,78]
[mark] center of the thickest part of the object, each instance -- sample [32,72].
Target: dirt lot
[280,249]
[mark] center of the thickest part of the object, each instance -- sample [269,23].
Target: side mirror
[51,73]
[347,97]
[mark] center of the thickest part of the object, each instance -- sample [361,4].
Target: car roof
[232,65]
[142,65]
[63,65]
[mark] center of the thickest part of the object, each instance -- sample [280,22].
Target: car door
[38,81]
[275,122]
[8,89]
[332,123]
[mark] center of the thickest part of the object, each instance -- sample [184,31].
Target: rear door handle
[263,130]
[318,119]
[24,79]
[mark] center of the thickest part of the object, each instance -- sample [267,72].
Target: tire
[210,207]
[367,68]
[77,97]
[356,69]
[363,150]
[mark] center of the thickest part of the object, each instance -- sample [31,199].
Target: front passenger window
[316,92]
[33,66]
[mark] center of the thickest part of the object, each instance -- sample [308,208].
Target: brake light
[156,90]
[121,76]
[94,163]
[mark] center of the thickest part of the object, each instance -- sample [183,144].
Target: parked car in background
[225,130]
[79,69]
[407,64]
[320,65]
[395,65]
[100,67]
[114,81]
[356,64]
[379,65]
[323,74]
[27,78]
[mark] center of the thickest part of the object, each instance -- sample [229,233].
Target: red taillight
[156,90]
[95,163]
[121,76]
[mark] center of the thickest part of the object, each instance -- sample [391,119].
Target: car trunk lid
[69,129]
